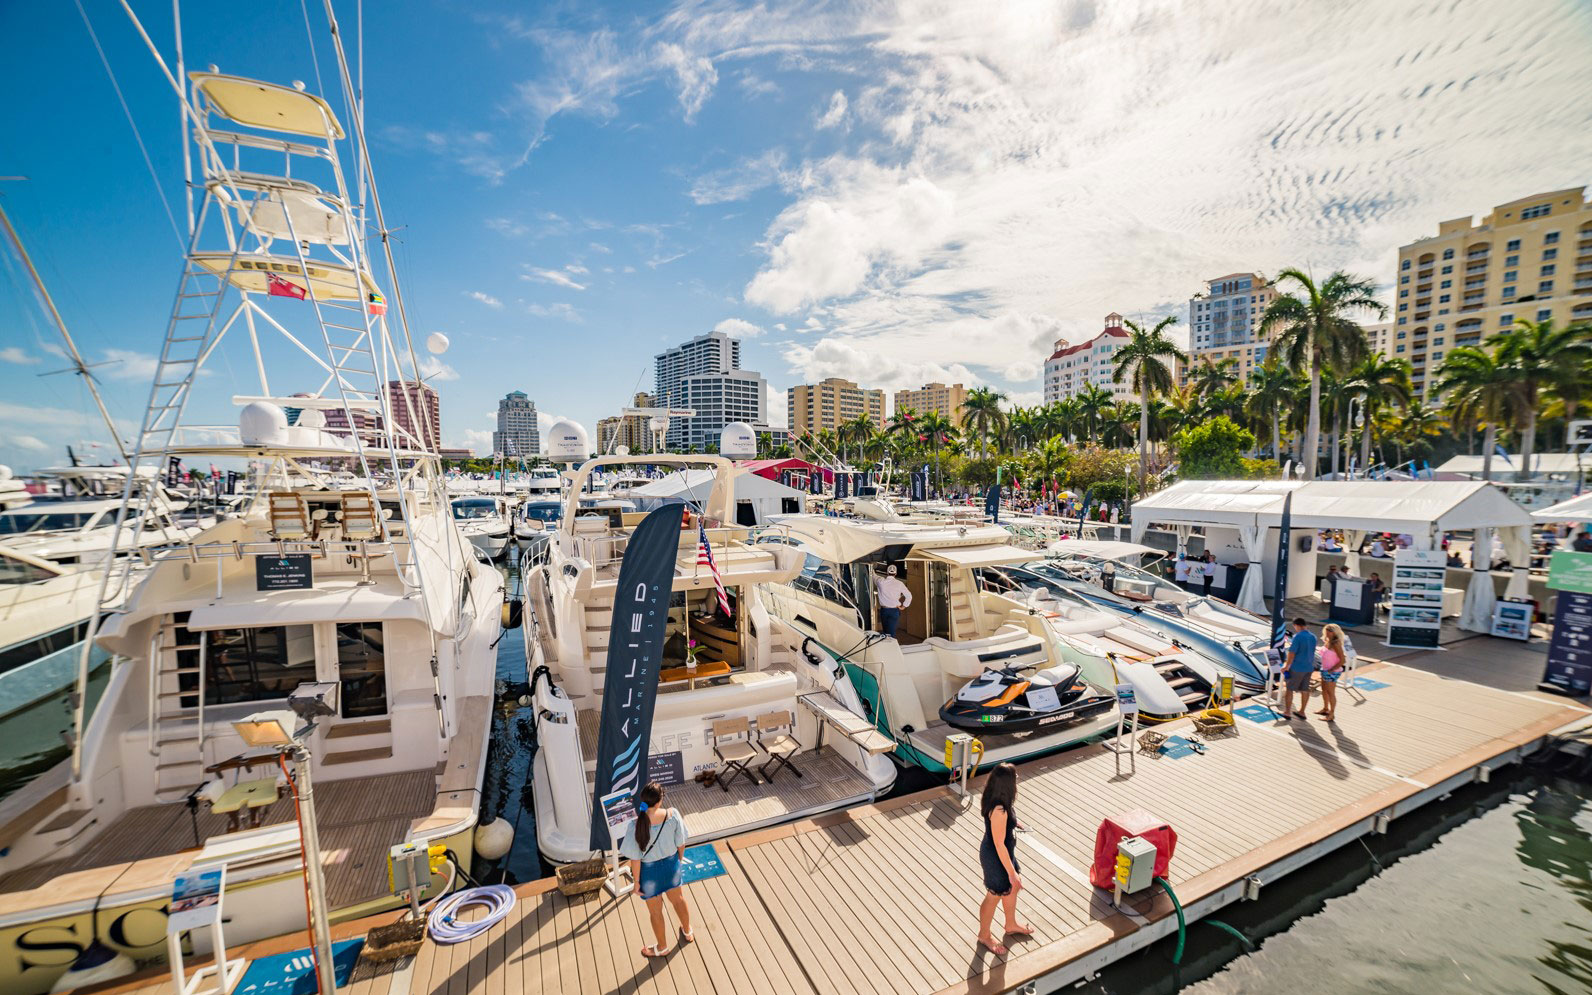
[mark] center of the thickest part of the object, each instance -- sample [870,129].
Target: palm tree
[1092,402]
[935,428]
[1209,377]
[1418,424]
[1119,420]
[1380,383]
[1270,387]
[859,430]
[982,416]
[1534,354]
[1478,389]
[1063,418]
[1143,357]
[1313,329]
[1026,427]
[1184,403]
[904,424]
[1050,459]
[1335,394]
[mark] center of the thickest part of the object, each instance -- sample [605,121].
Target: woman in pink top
[1332,664]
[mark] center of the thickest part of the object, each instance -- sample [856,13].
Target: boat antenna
[78,366]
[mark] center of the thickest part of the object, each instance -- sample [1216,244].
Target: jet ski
[1002,700]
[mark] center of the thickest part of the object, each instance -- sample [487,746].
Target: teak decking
[882,899]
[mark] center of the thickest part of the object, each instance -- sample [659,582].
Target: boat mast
[78,366]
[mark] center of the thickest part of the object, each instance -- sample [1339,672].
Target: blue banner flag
[842,484]
[920,485]
[815,481]
[1280,590]
[992,503]
[635,653]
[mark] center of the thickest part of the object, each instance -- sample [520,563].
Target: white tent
[757,499]
[1505,467]
[1422,509]
[1577,509]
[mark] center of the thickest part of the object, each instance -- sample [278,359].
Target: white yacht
[484,520]
[954,633]
[345,571]
[752,669]
[76,523]
[13,492]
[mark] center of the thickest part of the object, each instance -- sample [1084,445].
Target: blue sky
[891,192]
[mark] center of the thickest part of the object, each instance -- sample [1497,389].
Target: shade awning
[969,557]
[259,104]
[1577,509]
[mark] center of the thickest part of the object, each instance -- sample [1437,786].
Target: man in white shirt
[1208,570]
[1180,569]
[893,596]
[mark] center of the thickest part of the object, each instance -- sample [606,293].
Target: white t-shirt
[1180,571]
[1378,548]
[1209,568]
[891,591]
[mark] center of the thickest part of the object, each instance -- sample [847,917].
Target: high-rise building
[824,405]
[1224,322]
[416,404]
[936,397]
[704,374]
[517,433]
[1379,339]
[1530,258]
[630,431]
[1072,367]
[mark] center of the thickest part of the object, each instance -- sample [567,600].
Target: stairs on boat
[597,618]
[357,741]
[176,711]
[1189,687]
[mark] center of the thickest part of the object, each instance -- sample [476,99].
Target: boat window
[541,512]
[474,509]
[818,577]
[361,666]
[254,664]
[21,572]
[14,523]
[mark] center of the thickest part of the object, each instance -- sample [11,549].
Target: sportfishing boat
[921,686]
[76,522]
[484,520]
[1120,577]
[352,585]
[735,676]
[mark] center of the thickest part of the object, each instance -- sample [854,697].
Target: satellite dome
[566,442]
[262,423]
[437,343]
[738,441]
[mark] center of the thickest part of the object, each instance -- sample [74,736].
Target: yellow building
[824,405]
[938,397]
[1224,323]
[631,430]
[1530,258]
[1379,338]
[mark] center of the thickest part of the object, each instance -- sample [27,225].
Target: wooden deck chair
[359,517]
[289,516]
[732,744]
[774,738]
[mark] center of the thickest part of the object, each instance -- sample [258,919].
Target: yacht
[13,492]
[76,522]
[351,584]
[484,520]
[954,632]
[751,669]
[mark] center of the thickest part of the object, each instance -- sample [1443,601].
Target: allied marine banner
[1279,591]
[635,653]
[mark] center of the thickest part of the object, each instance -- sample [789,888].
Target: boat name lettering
[114,933]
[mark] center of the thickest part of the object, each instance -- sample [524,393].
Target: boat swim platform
[882,898]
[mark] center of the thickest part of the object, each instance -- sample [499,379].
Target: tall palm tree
[1313,329]
[1419,423]
[904,423]
[982,416]
[1534,353]
[1209,377]
[1184,403]
[1092,402]
[1119,420]
[1478,389]
[1064,418]
[935,429]
[1380,383]
[1143,357]
[1335,394]
[1270,387]
[1025,427]
[1050,460]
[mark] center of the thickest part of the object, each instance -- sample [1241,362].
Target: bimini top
[1418,507]
[1104,549]
[258,104]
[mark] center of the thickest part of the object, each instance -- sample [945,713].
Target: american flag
[705,558]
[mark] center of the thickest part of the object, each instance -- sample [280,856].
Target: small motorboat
[1002,700]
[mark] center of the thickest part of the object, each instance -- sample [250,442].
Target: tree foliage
[1213,450]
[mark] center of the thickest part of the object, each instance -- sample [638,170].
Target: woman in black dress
[997,855]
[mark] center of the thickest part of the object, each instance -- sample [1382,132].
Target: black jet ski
[1002,700]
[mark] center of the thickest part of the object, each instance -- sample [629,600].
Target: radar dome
[311,418]
[738,441]
[261,423]
[437,343]
[566,442]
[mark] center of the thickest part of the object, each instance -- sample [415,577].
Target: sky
[892,192]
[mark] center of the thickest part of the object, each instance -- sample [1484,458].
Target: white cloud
[558,310]
[484,298]
[834,357]
[694,74]
[739,327]
[28,442]
[739,180]
[577,269]
[835,113]
[32,414]
[126,364]
[478,441]
[14,354]
[774,402]
[553,276]
[434,369]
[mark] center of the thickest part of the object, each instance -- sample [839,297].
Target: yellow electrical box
[410,865]
[1124,868]
[1227,687]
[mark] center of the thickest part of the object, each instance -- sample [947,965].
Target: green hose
[1182,924]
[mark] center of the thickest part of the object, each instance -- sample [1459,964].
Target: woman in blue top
[655,849]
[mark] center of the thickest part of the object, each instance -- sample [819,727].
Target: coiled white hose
[445,926]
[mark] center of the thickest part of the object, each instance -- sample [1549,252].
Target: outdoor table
[713,668]
[251,796]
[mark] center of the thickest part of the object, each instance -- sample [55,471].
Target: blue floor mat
[1176,747]
[1257,713]
[294,973]
[701,862]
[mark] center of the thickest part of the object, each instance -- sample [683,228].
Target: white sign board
[1416,612]
[1347,594]
[1043,699]
[1127,703]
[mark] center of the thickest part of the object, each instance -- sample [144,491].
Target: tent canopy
[1421,507]
[696,484]
[1505,466]
[1577,509]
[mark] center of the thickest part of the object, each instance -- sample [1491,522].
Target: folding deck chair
[732,744]
[774,737]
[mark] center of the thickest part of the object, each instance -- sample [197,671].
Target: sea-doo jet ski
[1002,700]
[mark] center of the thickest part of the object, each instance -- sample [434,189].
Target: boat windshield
[474,508]
[548,511]
[22,522]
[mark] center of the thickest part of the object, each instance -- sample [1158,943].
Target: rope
[445,926]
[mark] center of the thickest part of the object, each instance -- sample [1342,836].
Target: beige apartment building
[1530,258]
[824,405]
[1379,338]
[1224,322]
[948,401]
[630,431]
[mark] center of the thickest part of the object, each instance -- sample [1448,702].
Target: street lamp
[286,732]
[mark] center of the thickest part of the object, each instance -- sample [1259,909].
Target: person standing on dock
[998,857]
[1208,571]
[656,850]
[1301,665]
[893,596]
[1334,655]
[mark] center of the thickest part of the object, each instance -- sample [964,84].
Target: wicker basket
[582,877]
[400,939]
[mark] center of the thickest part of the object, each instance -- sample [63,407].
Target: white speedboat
[484,521]
[749,666]
[75,522]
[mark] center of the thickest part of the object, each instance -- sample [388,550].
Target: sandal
[686,935]
[709,777]
[653,952]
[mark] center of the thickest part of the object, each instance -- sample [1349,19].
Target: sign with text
[666,768]
[292,572]
[619,811]
[195,898]
[1127,702]
[1415,616]
[1569,669]
[1570,571]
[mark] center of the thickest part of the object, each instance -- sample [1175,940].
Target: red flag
[278,287]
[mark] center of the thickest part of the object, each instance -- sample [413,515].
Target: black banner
[842,484]
[635,651]
[992,503]
[1569,668]
[920,485]
[784,477]
[1279,591]
[815,481]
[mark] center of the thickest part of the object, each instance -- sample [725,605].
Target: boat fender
[94,966]
[494,839]
[513,613]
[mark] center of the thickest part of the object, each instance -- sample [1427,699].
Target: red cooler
[1138,822]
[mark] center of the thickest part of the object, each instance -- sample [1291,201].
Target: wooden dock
[882,899]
